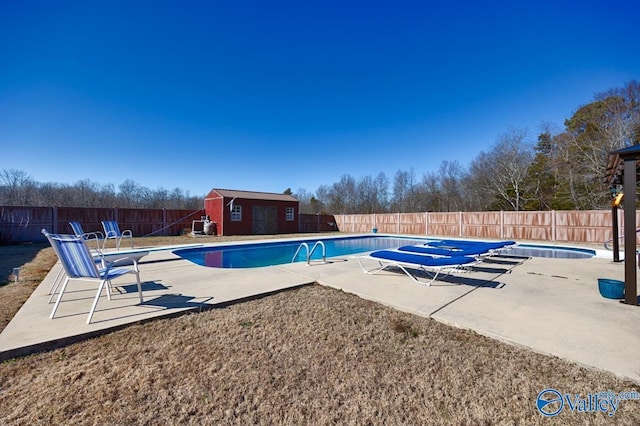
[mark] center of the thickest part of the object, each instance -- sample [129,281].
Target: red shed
[246,213]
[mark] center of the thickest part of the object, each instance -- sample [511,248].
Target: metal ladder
[310,252]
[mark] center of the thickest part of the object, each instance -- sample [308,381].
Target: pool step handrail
[311,251]
[305,245]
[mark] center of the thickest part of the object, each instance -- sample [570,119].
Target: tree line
[561,169]
[17,188]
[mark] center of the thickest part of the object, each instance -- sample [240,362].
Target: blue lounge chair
[430,265]
[462,244]
[474,251]
[79,265]
[112,231]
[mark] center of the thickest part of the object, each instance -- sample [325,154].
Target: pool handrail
[310,252]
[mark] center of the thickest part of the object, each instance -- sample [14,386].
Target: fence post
[54,218]
[399,219]
[501,224]
[460,224]
[553,225]
[426,223]
[164,221]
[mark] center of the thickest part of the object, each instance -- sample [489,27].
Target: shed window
[289,213]
[236,213]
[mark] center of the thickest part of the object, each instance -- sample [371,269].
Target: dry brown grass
[312,355]
[34,261]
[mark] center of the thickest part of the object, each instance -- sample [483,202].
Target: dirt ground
[314,355]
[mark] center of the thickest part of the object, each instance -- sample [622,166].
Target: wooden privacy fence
[23,224]
[581,226]
[317,223]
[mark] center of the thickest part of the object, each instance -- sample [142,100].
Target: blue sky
[272,95]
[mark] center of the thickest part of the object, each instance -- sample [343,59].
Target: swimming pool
[255,255]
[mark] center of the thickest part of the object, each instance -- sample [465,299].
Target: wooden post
[616,240]
[630,266]
[54,218]
[426,223]
[164,222]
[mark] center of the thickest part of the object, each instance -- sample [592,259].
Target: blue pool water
[277,253]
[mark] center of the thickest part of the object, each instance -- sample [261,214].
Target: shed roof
[252,195]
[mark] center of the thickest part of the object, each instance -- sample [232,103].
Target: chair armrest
[96,239]
[123,260]
[97,235]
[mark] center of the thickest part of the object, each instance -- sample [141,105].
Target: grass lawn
[313,355]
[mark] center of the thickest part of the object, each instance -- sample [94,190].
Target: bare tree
[107,195]
[48,194]
[501,173]
[345,194]
[382,191]
[429,193]
[404,191]
[16,187]
[129,194]
[320,204]
[372,194]
[304,198]
[620,125]
[450,173]
[367,195]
